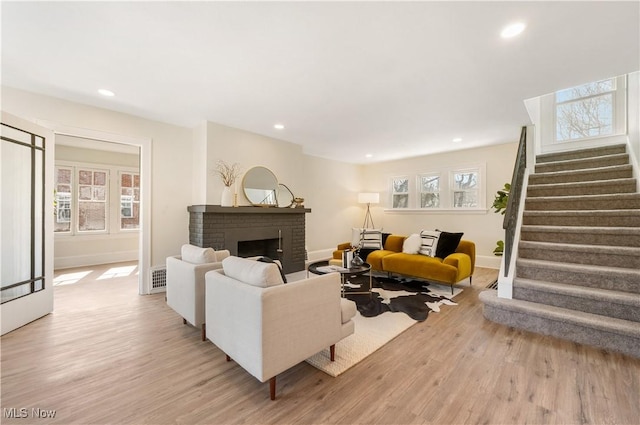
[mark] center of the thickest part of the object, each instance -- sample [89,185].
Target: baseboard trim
[60,263]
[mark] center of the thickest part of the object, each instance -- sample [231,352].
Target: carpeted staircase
[578,266]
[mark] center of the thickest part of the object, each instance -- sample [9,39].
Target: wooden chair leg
[272,388]
[332,350]
[470,280]
[204,331]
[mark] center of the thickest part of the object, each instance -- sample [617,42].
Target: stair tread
[609,182]
[578,267]
[607,295]
[608,249]
[595,151]
[583,170]
[596,197]
[584,159]
[581,229]
[592,320]
[621,211]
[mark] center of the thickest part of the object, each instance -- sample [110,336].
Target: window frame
[133,174]
[453,190]
[548,121]
[446,191]
[393,193]
[113,213]
[419,181]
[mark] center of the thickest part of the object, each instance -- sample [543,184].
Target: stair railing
[515,194]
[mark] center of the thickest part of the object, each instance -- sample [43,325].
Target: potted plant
[500,206]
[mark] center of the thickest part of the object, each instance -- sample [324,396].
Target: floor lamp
[368,198]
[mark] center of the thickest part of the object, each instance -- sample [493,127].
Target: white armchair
[185,282]
[266,326]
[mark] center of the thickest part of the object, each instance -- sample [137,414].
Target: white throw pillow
[196,255]
[411,245]
[251,272]
[429,242]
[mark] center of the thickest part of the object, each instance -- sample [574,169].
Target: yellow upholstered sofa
[449,270]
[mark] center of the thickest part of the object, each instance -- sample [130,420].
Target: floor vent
[158,279]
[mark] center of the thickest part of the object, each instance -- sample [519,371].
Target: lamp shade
[368,198]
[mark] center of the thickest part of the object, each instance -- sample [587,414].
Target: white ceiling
[393,79]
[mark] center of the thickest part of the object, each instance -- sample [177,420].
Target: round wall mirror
[260,187]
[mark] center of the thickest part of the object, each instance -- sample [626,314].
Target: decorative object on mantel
[228,174]
[285,196]
[260,186]
[299,202]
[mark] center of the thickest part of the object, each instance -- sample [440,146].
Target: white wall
[484,228]
[633,118]
[171,158]
[330,188]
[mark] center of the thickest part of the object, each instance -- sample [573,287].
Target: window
[446,189]
[93,198]
[129,200]
[63,185]
[400,192]
[465,188]
[93,186]
[585,111]
[429,191]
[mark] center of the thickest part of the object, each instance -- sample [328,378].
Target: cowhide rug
[416,298]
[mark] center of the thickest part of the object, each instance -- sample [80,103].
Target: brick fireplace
[278,233]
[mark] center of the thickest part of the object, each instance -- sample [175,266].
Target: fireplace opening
[260,247]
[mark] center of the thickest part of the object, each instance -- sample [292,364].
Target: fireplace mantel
[226,227]
[245,210]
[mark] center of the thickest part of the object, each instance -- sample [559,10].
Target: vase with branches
[228,173]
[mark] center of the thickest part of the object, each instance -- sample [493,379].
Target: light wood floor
[107,355]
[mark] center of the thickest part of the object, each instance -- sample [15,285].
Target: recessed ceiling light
[279,126]
[512,30]
[369,155]
[457,139]
[106,92]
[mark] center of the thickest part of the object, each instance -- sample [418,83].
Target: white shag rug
[371,333]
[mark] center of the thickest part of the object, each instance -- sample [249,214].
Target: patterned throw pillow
[430,240]
[366,238]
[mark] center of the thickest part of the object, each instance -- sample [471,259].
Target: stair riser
[570,331]
[632,240]
[586,189]
[588,305]
[582,164]
[588,258]
[612,281]
[582,220]
[534,204]
[620,173]
[580,154]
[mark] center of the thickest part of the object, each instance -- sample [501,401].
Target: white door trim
[145,145]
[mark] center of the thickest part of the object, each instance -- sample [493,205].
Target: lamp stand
[368,218]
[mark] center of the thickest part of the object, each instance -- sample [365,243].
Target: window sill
[436,211]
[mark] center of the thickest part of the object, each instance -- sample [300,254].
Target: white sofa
[267,326]
[185,289]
